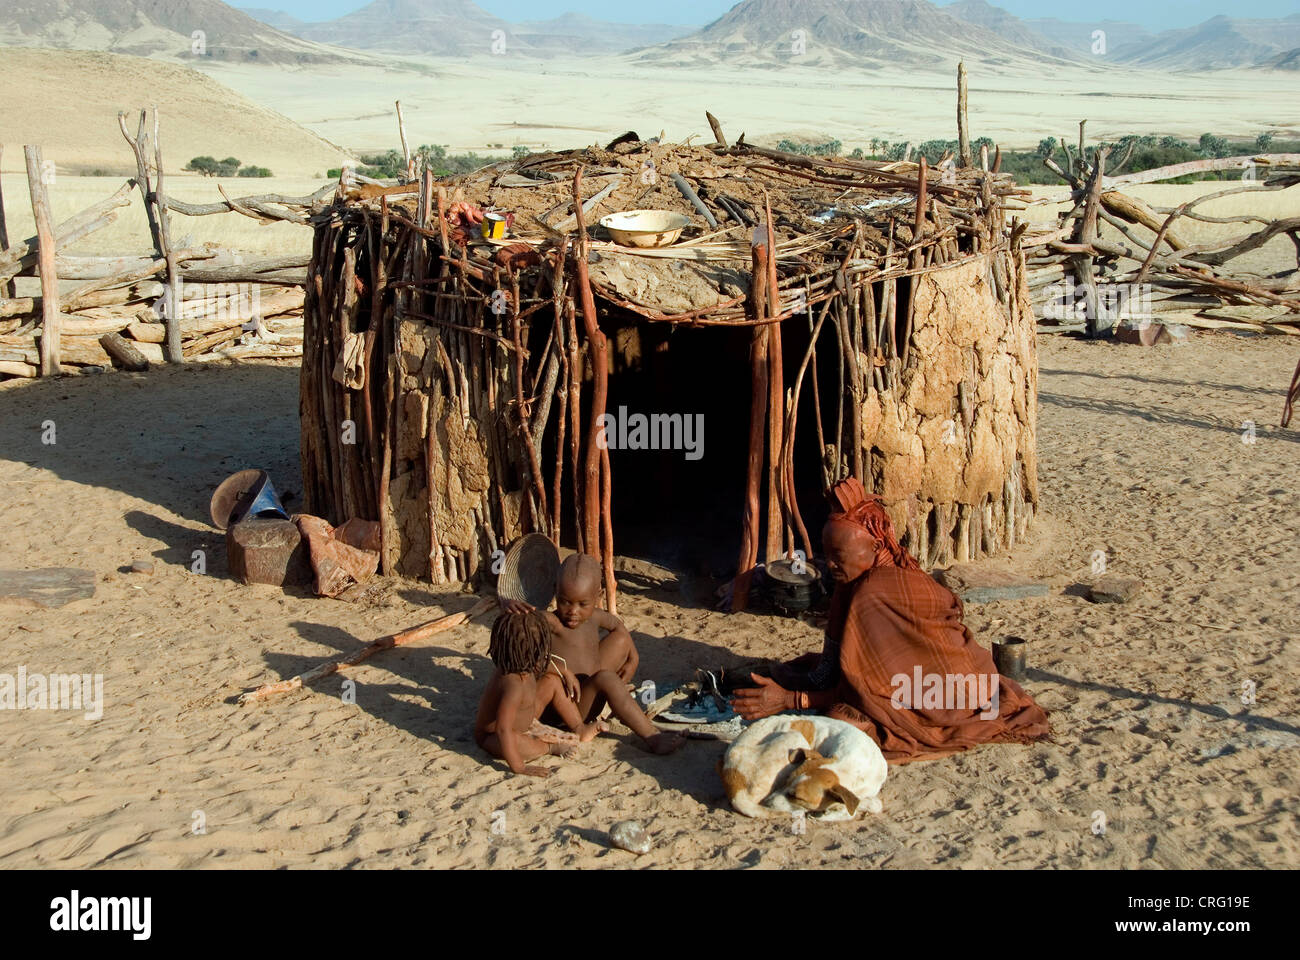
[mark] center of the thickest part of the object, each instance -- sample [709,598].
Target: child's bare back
[508,721]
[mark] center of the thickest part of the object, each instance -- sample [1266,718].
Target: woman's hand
[515,606]
[755,703]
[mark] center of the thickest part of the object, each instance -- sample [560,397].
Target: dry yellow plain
[468,105]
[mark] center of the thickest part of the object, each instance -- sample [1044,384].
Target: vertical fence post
[49,273]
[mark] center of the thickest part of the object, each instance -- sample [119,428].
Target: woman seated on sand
[891,629]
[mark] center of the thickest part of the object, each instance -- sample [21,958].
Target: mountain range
[171,29]
[843,34]
[1219,43]
[833,33]
[462,28]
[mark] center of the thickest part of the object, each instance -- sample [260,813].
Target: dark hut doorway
[682,505]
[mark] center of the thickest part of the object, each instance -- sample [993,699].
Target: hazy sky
[1155,14]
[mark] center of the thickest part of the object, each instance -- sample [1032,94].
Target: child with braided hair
[526,682]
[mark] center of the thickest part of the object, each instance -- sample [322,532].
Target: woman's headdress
[865,510]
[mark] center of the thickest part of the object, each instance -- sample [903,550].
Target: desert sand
[1141,456]
[468,105]
[300,121]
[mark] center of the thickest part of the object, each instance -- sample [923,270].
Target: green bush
[204,165]
[256,172]
[210,167]
[831,148]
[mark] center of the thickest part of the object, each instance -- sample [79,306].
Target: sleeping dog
[787,763]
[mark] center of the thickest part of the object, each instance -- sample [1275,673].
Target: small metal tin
[1009,657]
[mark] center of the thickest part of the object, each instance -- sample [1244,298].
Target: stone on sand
[976,585]
[1111,589]
[630,836]
[48,587]
[1147,333]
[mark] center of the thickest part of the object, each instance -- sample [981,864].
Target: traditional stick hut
[824,317]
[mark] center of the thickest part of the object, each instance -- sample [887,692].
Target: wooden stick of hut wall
[918,229]
[596,467]
[388,348]
[757,415]
[575,421]
[563,391]
[778,532]
[51,317]
[524,421]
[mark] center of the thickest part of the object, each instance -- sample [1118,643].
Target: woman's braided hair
[520,643]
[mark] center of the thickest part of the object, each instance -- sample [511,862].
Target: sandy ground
[1141,455]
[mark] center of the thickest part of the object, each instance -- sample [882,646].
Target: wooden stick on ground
[125,352]
[405,638]
[51,317]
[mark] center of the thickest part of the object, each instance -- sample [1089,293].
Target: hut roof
[820,209]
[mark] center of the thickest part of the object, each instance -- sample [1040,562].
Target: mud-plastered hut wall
[951,445]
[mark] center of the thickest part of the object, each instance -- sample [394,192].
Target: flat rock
[1148,333]
[976,584]
[48,587]
[142,566]
[1114,590]
[630,836]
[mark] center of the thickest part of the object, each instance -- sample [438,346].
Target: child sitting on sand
[526,682]
[604,666]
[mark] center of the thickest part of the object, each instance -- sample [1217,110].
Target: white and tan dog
[787,763]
